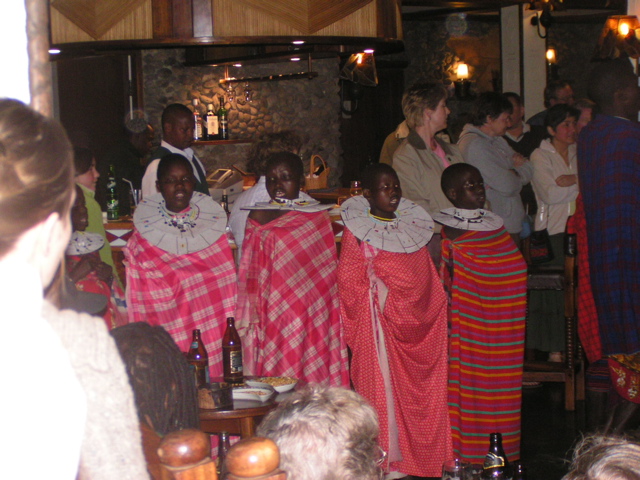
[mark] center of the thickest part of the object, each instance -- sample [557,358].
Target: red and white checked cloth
[288,310]
[183,292]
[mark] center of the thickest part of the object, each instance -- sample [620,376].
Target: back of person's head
[420,97]
[489,104]
[270,143]
[583,103]
[607,80]
[514,97]
[371,174]
[173,112]
[453,175]
[325,433]
[82,159]
[601,457]
[162,383]
[559,113]
[552,89]
[36,171]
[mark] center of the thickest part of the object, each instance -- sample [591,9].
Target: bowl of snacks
[279,384]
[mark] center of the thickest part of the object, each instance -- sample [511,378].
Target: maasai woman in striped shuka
[288,311]
[485,276]
[180,269]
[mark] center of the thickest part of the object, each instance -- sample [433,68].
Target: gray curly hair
[603,457]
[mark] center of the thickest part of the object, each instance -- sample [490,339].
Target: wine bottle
[223,121]
[197,120]
[112,196]
[232,354]
[211,120]
[224,202]
[198,359]
[496,465]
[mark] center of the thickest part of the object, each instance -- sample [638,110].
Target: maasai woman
[180,271]
[486,278]
[288,311]
[395,314]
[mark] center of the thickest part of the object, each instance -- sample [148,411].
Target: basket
[313,182]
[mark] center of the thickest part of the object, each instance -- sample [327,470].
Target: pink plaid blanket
[183,292]
[288,310]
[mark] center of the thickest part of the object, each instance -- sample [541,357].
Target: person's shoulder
[159,152]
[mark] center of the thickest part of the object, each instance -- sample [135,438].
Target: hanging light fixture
[619,37]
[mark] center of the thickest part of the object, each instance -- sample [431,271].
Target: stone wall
[311,107]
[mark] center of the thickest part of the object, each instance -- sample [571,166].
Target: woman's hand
[518,160]
[566,180]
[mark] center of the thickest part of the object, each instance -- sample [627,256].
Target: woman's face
[176,187]
[470,193]
[565,132]
[89,178]
[79,214]
[437,118]
[497,127]
[282,182]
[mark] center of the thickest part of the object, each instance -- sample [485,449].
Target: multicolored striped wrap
[485,276]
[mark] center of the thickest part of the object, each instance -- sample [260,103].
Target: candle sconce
[462,84]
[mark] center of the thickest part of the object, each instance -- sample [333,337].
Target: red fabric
[588,327]
[183,292]
[414,322]
[116,313]
[486,278]
[288,311]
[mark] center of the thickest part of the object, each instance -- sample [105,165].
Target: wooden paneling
[233,18]
[134,23]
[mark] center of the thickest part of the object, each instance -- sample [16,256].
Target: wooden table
[241,420]
[329,195]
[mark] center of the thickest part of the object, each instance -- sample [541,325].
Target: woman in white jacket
[555,183]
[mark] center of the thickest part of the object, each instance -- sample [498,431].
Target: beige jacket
[419,170]
[112,445]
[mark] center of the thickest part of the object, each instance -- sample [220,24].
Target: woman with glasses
[180,269]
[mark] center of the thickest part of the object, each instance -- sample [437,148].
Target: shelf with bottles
[221,142]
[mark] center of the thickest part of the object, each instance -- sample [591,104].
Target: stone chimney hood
[212,29]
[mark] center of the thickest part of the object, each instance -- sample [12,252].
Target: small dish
[252,393]
[279,384]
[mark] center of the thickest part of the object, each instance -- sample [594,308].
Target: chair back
[255,458]
[185,455]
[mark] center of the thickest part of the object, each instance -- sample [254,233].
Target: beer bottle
[211,120]
[223,450]
[232,354]
[223,121]
[519,472]
[224,202]
[112,196]
[198,359]
[496,466]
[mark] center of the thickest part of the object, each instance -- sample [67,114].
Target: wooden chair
[185,455]
[572,370]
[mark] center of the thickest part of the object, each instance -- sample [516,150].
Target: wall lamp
[358,71]
[619,37]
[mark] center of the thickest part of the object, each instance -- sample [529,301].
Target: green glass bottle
[113,211]
[223,121]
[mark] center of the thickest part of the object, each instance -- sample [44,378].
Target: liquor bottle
[496,465]
[232,354]
[112,196]
[197,128]
[223,121]
[224,202]
[198,359]
[211,120]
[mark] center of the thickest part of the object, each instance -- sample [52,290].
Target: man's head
[177,126]
[284,175]
[175,182]
[142,141]
[325,433]
[558,91]
[381,187]
[463,186]
[614,88]
[517,116]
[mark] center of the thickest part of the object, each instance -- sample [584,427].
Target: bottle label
[111,183]
[236,362]
[212,125]
[491,460]
[194,345]
[197,131]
